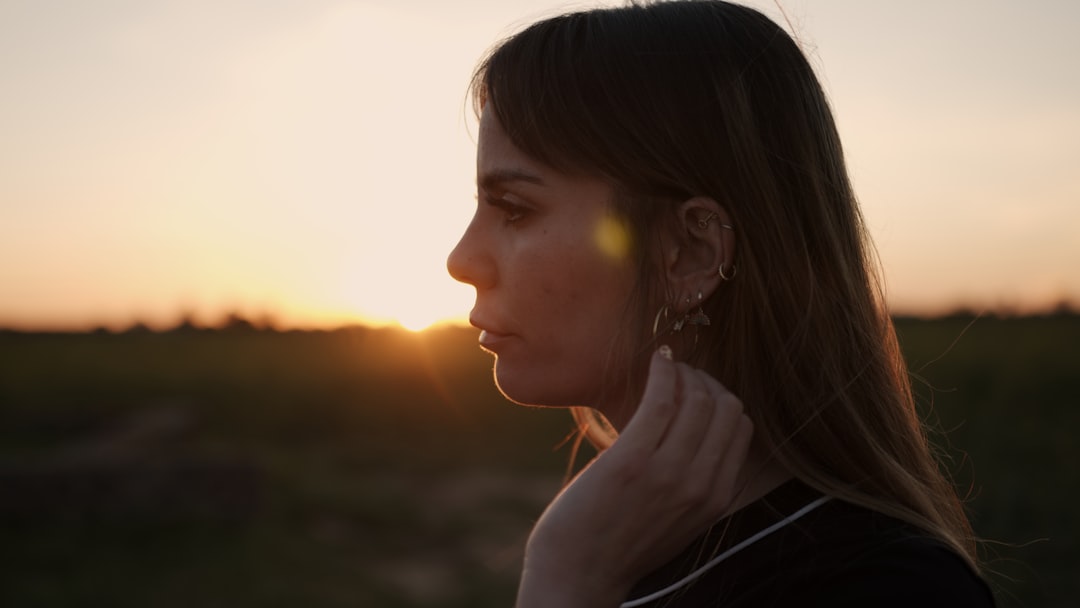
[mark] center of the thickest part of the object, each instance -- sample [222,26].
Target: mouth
[490,338]
[491,341]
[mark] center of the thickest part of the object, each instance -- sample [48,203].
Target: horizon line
[268,323]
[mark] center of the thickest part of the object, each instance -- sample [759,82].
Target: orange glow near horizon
[313,167]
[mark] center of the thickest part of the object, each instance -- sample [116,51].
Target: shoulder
[837,554]
[895,567]
[845,554]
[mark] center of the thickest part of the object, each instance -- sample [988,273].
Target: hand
[671,474]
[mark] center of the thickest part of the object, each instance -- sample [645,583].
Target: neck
[760,475]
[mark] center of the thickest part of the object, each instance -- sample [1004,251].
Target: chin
[535,389]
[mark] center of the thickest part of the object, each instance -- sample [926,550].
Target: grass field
[367,467]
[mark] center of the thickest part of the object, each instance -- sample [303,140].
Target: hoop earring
[734,270]
[663,312]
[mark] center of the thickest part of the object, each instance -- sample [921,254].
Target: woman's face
[552,273]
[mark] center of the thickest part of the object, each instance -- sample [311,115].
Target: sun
[417,321]
[393,271]
[377,293]
[449,305]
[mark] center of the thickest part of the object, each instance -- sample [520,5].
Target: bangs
[537,89]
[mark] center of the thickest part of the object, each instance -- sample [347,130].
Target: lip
[490,336]
[490,340]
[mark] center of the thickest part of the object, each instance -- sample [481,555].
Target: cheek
[561,359]
[581,312]
[569,294]
[569,299]
[553,279]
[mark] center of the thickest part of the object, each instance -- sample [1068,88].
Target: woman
[666,240]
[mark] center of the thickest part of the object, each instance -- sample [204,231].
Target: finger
[715,387]
[727,409]
[717,444]
[729,467]
[691,422]
[657,408]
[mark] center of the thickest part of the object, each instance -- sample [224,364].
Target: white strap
[641,601]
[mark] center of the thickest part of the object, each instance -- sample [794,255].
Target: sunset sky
[313,160]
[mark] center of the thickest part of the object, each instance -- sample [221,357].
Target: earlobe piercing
[699,317]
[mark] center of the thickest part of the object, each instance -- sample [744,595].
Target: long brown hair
[705,98]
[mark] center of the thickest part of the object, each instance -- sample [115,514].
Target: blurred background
[235,372]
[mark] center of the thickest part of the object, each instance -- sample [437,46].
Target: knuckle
[744,424]
[694,494]
[730,405]
[665,476]
[631,460]
[663,406]
[667,484]
[699,397]
[626,472]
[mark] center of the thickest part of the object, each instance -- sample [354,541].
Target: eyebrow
[502,176]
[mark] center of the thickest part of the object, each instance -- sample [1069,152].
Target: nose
[471,261]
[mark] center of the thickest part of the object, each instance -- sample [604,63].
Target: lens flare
[612,237]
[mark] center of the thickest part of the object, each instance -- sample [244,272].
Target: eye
[512,211]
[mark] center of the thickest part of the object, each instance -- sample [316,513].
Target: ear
[702,240]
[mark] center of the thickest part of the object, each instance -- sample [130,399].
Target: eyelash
[512,212]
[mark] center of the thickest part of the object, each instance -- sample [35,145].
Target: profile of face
[551,271]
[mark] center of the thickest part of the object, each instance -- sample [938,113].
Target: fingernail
[665,352]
